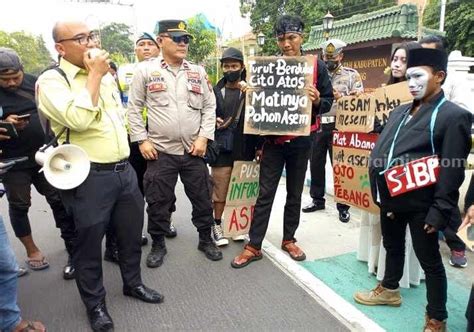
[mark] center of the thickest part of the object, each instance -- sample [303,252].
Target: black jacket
[32,137]
[243,145]
[452,141]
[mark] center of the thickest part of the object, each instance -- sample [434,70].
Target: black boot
[157,253]
[207,246]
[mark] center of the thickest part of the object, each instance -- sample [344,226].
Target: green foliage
[263,13]
[116,38]
[459,23]
[31,49]
[204,42]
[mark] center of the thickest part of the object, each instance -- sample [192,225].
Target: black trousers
[470,311]
[160,182]
[274,158]
[426,248]
[321,145]
[18,187]
[106,197]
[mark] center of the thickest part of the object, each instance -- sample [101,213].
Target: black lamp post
[260,41]
[328,22]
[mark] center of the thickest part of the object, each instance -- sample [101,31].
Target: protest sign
[241,197]
[277,102]
[467,235]
[389,97]
[358,114]
[350,168]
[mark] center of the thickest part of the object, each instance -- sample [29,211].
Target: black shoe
[210,250]
[143,293]
[100,319]
[344,216]
[157,254]
[111,255]
[69,270]
[314,206]
[172,231]
[144,240]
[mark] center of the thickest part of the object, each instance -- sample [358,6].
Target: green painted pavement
[346,275]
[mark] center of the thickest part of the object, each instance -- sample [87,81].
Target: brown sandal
[291,248]
[247,256]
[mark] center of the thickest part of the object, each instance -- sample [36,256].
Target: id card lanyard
[432,124]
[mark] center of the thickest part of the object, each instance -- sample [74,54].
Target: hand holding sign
[313,94]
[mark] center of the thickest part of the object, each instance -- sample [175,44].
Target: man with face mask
[434,136]
[233,144]
[345,81]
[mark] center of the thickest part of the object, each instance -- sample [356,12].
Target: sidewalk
[330,248]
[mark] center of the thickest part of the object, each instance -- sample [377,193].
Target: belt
[328,119]
[119,166]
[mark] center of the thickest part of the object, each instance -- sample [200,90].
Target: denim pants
[9,311]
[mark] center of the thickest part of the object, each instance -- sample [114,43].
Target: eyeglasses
[83,40]
[178,39]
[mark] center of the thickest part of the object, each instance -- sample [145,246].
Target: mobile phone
[11,131]
[23,117]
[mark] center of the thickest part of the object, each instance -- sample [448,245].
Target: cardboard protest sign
[357,114]
[277,102]
[389,97]
[350,167]
[241,197]
[467,235]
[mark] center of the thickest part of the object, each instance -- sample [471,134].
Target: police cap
[146,36]
[174,28]
[332,47]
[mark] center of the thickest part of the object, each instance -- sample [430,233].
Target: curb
[344,311]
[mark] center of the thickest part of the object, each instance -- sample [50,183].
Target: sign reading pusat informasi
[241,197]
[277,100]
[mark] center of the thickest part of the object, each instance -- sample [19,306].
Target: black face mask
[232,76]
[332,65]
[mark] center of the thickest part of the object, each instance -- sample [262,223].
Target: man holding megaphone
[87,102]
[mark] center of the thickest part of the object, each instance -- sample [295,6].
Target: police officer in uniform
[345,81]
[291,153]
[181,119]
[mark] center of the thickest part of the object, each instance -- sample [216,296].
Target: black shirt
[32,137]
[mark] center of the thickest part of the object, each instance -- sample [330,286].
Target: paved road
[199,294]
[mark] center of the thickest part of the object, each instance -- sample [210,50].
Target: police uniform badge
[181,26]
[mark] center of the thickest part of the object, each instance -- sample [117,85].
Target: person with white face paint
[416,169]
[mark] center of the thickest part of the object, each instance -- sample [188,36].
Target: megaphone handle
[55,139]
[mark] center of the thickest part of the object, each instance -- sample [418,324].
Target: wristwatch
[141,141]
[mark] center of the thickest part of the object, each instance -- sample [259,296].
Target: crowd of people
[173,112]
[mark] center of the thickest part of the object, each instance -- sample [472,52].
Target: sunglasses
[179,39]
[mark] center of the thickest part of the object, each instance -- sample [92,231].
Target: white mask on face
[417,81]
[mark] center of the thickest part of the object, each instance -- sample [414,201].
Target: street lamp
[261,41]
[328,22]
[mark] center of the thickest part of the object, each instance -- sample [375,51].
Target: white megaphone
[65,167]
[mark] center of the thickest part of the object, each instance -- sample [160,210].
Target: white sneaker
[218,236]
[241,237]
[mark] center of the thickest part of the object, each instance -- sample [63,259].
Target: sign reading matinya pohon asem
[241,197]
[277,102]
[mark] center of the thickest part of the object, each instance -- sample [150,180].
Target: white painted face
[418,78]
[399,63]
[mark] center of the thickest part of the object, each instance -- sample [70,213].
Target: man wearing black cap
[291,153]
[17,106]
[233,144]
[434,136]
[181,119]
